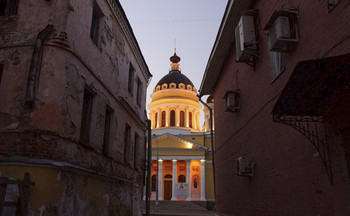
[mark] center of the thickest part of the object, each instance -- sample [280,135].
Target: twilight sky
[157,23]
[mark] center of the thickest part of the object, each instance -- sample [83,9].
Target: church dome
[175,77]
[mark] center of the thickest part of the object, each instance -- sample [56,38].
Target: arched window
[156,120]
[153,183]
[163,119]
[168,176]
[172,118]
[190,119]
[181,179]
[182,119]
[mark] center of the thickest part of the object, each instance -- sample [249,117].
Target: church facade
[180,145]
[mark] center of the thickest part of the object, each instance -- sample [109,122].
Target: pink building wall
[289,177]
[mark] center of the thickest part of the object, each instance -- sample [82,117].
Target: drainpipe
[148,168]
[35,64]
[211,139]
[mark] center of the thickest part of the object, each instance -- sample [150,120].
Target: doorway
[168,186]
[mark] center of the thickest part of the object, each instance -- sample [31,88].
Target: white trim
[180,157]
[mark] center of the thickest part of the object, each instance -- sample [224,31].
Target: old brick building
[72,113]
[280,75]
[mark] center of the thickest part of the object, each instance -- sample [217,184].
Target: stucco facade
[291,117]
[72,86]
[181,151]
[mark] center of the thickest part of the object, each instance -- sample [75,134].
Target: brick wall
[289,177]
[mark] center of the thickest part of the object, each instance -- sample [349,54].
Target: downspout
[148,165]
[35,64]
[211,139]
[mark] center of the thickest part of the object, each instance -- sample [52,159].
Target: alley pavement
[175,208]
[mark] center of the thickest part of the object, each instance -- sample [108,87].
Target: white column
[167,117]
[198,122]
[186,117]
[203,180]
[188,178]
[174,179]
[160,179]
[159,115]
[177,117]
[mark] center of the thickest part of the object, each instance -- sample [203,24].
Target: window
[8,7]
[172,118]
[278,63]
[182,119]
[136,153]
[332,4]
[139,92]
[163,119]
[181,179]
[127,143]
[1,71]
[86,116]
[190,119]
[154,182]
[107,130]
[131,78]
[96,25]
[156,120]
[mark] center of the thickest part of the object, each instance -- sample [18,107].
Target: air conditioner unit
[232,99]
[244,166]
[245,37]
[283,35]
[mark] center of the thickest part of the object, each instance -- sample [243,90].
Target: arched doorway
[168,187]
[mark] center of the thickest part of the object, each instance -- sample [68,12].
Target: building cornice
[130,37]
[223,44]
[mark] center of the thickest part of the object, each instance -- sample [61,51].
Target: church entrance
[168,186]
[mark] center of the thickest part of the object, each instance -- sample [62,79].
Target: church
[182,148]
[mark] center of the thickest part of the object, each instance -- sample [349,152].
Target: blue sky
[157,23]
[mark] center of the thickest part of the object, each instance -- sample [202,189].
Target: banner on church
[181,190]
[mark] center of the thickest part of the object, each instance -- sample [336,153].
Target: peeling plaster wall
[62,192]
[50,129]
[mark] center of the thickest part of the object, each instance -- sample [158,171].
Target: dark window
[127,143]
[1,71]
[163,119]
[86,116]
[131,78]
[139,92]
[8,7]
[182,119]
[168,176]
[96,24]
[154,182]
[190,119]
[278,63]
[136,150]
[107,130]
[181,179]
[332,3]
[156,120]
[172,118]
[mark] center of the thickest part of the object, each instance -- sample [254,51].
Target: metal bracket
[314,129]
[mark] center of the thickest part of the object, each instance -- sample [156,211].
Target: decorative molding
[129,36]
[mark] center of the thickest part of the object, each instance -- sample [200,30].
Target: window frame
[96,24]
[85,127]
[131,78]
[172,118]
[136,147]
[182,118]
[163,119]
[107,130]
[278,63]
[10,7]
[138,91]
[127,140]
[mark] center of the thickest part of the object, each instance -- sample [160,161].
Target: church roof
[175,75]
